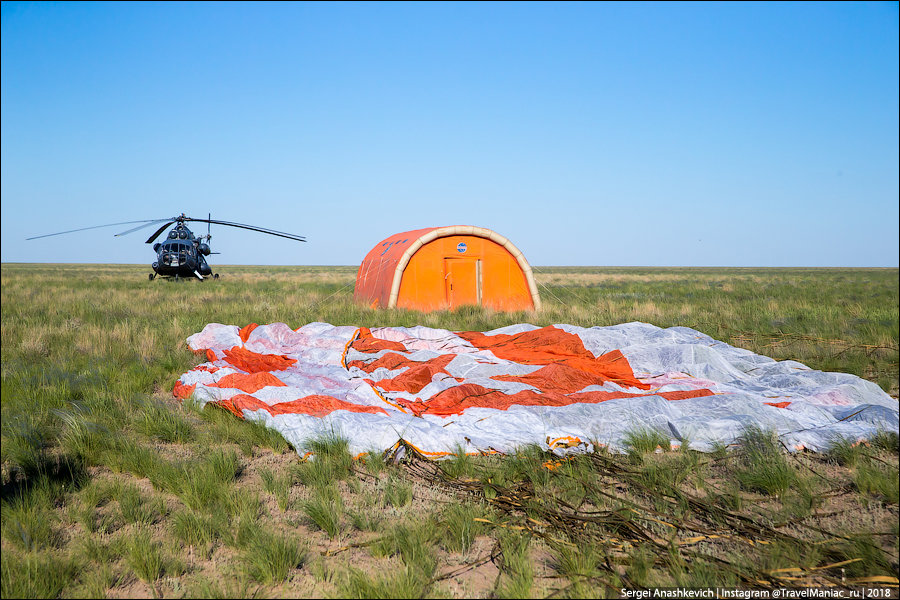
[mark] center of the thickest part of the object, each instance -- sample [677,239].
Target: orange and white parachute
[563,387]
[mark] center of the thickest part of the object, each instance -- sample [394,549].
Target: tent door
[462,278]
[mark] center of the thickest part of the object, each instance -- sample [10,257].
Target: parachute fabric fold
[563,387]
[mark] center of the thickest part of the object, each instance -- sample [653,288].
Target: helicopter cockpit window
[179,247]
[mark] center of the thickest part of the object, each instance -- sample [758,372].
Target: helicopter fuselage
[181,255]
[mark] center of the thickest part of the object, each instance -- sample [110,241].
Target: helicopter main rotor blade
[290,236]
[160,230]
[93,227]
[154,222]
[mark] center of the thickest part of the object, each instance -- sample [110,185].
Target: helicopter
[181,254]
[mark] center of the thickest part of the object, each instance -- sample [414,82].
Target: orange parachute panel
[568,362]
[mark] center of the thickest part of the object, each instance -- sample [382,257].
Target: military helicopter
[181,254]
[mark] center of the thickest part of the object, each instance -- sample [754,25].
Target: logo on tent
[461,247]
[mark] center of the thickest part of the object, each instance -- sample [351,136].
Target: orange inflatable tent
[445,267]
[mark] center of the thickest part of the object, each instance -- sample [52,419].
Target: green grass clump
[871,559]
[403,583]
[269,558]
[844,452]
[516,567]
[325,509]
[365,519]
[222,426]
[889,441]
[373,462]
[397,492]
[875,479]
[164,423]
[83,435]
[135,508]
[412,542]
[330,462]
[35,575]
[459,465]
[198,529]
[577,561]
[146,558]
[203,587]
[202,483]
[458,526]
[279,485]
[764,465]
[643,441]
[23,445]
[526,464]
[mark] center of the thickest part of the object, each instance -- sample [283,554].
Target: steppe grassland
[110,487]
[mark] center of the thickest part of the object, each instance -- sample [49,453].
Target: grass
[35,575]
[642,441]
[325,509]
[412,543]
[460,524]
[194,528]
[135,508]
[330,462]
[517,570]
[270,558]
[112,487]
[764,467]
[407,583]
[145,557]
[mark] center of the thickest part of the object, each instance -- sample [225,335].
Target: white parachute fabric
[563,387]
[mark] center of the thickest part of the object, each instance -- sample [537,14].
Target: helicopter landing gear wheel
[216,276]
[151,276]
[177,278]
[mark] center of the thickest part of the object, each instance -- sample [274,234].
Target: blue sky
[589,134]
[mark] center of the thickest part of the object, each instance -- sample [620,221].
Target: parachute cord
[351,284]
[583,301]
